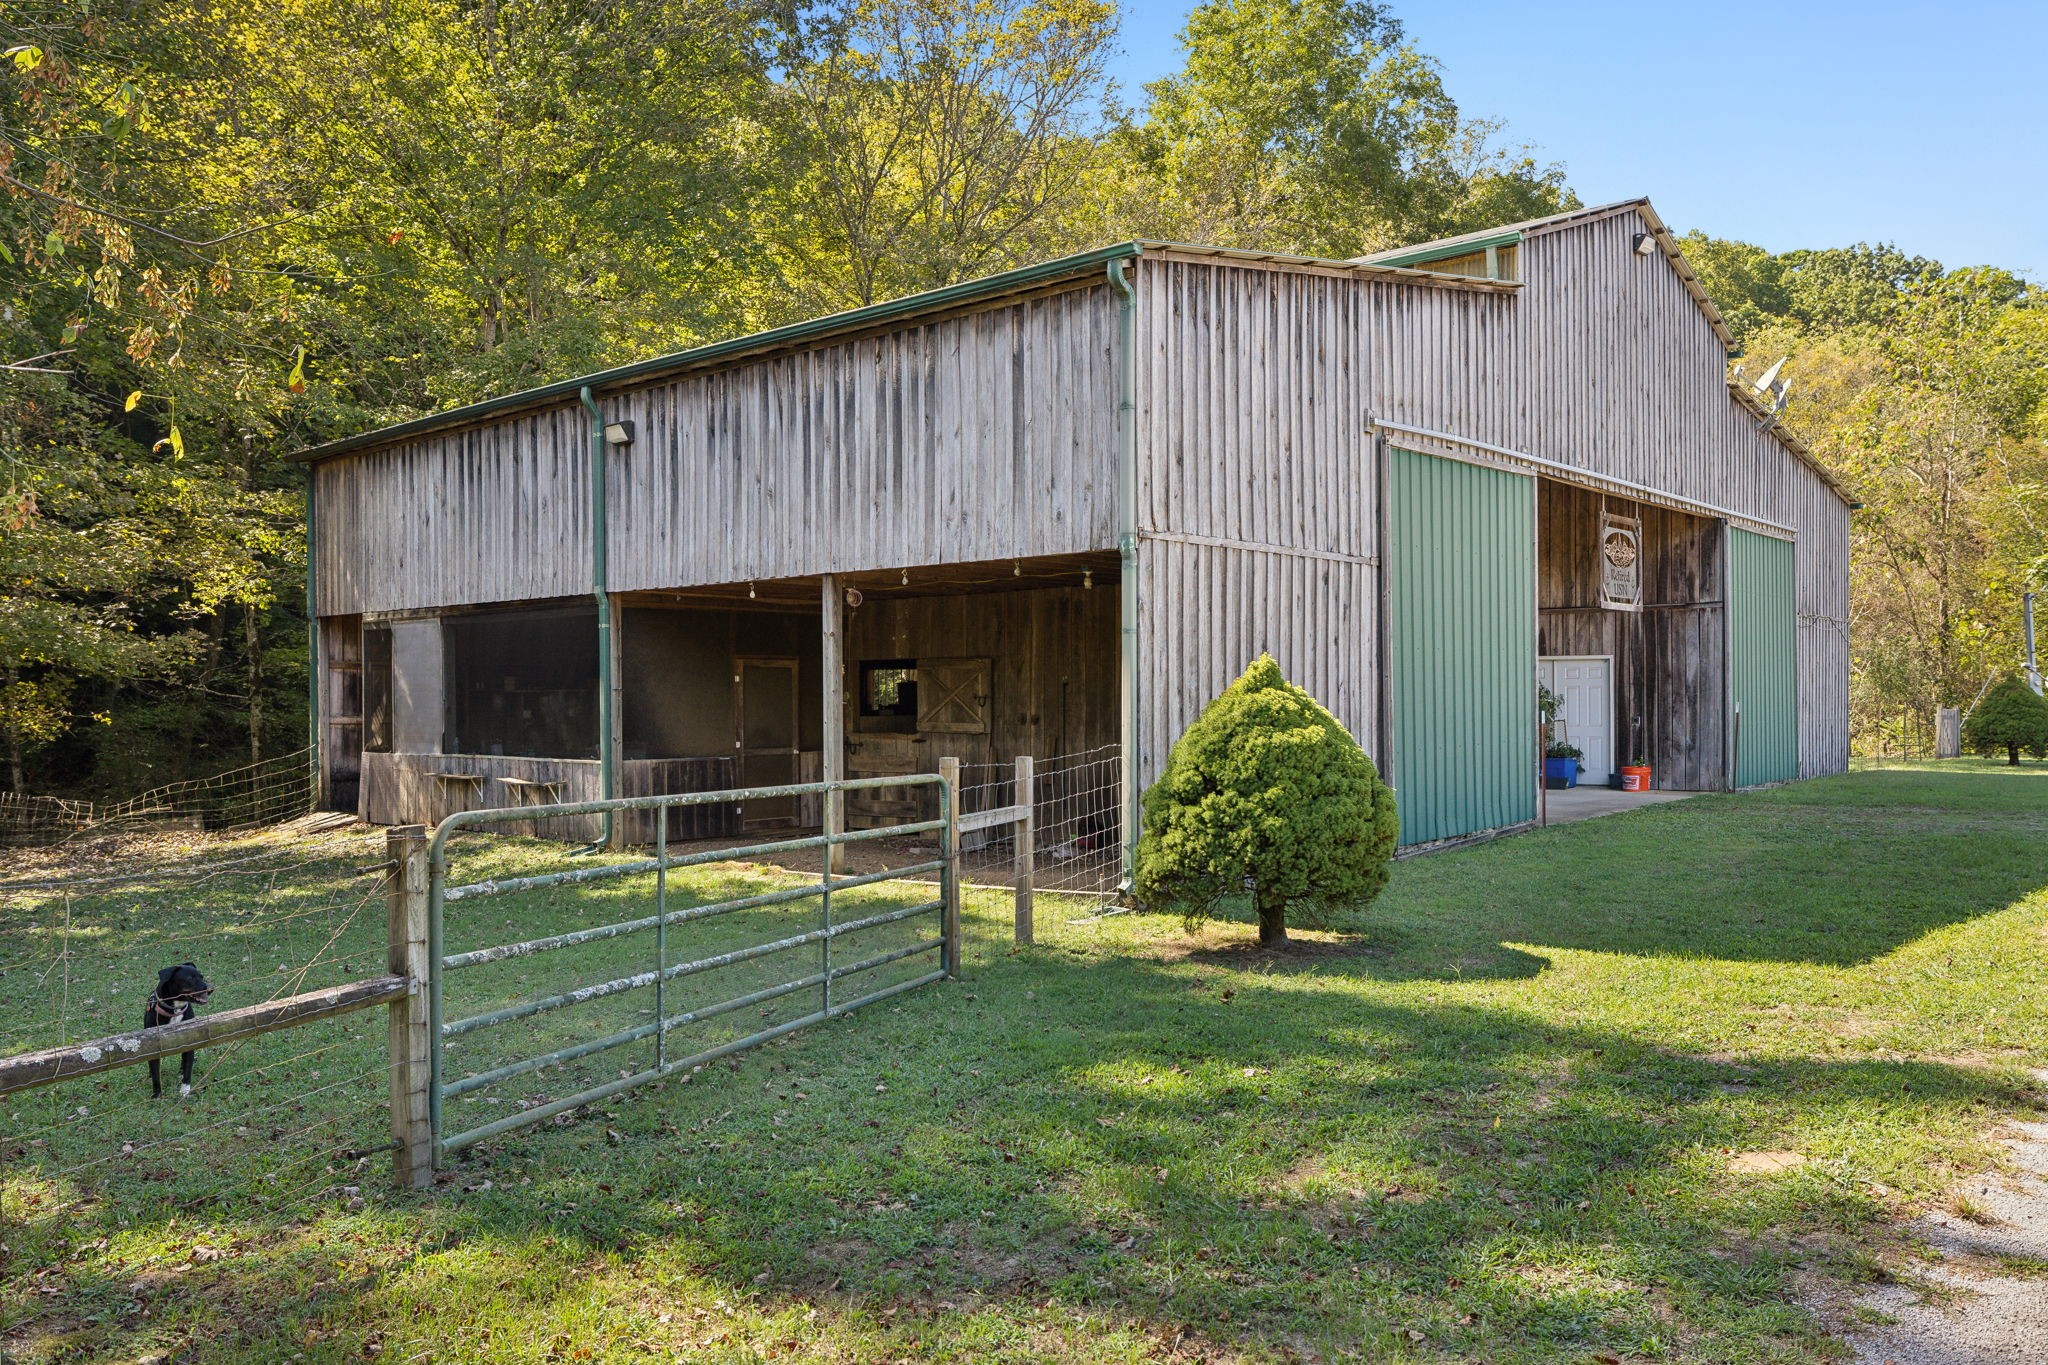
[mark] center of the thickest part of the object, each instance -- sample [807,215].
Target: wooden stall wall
[340,662]
[1256,507]
[427,788]
[1604,362]
[1670,659]
[1051,682]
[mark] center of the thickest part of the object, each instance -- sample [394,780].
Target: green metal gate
[636,1001]
[1763,658]
[1461,566]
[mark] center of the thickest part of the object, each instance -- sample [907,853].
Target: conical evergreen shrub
[2010,718]
[1266,794]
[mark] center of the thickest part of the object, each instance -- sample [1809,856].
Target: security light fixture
[1645,243]
[618,433]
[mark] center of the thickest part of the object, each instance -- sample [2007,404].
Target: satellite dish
[1770,376]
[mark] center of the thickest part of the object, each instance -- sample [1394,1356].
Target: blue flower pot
[1560,774]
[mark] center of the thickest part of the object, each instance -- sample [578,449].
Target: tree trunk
[1272,919]
[2012,755]
[13,745]
[252,644]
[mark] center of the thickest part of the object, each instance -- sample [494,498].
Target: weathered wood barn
[1061,508]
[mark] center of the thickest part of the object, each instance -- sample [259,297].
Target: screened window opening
[523,683]
[377,689]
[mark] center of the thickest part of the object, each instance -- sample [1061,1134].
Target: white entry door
[1586,716]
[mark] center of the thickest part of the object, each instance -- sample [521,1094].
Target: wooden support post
[1026,795]
[405,904]
[949,876]
[830,614]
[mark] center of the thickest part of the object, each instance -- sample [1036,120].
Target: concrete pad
[1584,803]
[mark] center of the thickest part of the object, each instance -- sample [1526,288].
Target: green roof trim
[1442,251]
[568,390]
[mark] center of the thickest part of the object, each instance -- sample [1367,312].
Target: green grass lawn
[1503,1114]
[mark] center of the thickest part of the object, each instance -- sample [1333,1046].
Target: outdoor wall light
[618,433]
[1645,243]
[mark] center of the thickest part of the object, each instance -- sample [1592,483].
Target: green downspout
[607,760]
[1127,555]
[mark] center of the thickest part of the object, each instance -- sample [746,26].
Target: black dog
[178,989]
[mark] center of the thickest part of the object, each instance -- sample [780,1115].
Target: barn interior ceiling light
[618,433]
[1645,243]
[1087,578]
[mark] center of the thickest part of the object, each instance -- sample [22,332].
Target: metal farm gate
[700,961]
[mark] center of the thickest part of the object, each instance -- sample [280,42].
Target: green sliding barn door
[1762,658]
[1461,562]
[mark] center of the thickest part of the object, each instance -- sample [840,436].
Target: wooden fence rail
[51,1065]
[403,989]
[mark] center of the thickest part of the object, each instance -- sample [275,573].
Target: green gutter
[569,389]
[607,760]
[1439,251]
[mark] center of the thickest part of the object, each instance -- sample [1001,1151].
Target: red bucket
[1635,779]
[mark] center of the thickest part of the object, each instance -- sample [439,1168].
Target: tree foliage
[1266,792]
[2010,718]
[230,231]
[1314,126]
[1926,389]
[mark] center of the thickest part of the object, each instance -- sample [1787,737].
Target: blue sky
[1788,125]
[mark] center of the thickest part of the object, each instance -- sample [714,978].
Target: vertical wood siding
[975,437]
[970,438]
[1604,362]
[1670,669]
[1256,511]
[499,513]
[1462,632]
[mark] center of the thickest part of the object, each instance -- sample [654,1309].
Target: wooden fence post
[405,903]
[949,876]
[1026,795]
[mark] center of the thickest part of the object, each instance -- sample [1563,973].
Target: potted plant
[1635,775]
[1562,765]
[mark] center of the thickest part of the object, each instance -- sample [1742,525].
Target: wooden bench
[547,791]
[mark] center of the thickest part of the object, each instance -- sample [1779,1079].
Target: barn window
[888,687]
[377,689]
[523,683]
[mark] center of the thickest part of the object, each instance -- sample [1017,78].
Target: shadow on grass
[1282,1162]
[1834,872]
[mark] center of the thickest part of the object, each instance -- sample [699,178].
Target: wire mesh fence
[247,797]
[1077,799]
[281,1123]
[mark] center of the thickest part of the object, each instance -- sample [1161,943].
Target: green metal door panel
[1763,658]
[1461,563]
